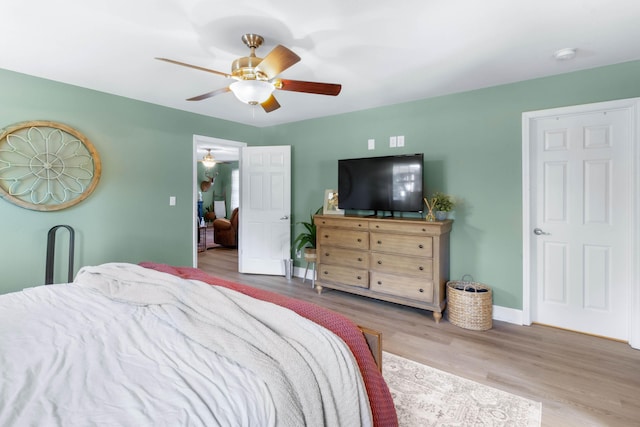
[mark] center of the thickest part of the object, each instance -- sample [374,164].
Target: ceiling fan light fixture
[252,92]
[208,160]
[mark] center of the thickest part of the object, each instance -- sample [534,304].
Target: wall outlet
[393,141]
[401,141]
[172,200]
[371,144]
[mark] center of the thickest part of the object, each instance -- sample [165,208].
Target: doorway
[223,150]
[580,183]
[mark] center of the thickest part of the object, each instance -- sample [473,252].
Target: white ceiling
[382,52]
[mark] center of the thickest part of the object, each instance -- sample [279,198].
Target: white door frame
[633,105]
[206,140]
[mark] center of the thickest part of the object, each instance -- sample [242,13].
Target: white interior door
[265,198]
[581,228]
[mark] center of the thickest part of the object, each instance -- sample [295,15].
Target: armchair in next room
[225,231]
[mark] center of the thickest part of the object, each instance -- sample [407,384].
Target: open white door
[265,200]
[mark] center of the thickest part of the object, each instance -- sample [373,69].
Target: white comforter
[129,346]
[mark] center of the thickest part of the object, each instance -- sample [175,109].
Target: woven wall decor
[46,166]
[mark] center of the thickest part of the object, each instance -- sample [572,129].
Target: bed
[155,345]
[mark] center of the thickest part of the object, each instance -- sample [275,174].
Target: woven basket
[469,304]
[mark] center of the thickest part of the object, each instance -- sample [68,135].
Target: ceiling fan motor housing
[244,68]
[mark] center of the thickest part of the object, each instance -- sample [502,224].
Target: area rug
[425,396]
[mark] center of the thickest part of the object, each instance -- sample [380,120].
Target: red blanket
[384,413]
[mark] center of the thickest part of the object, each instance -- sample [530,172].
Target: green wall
[147,156]
[471,141]
[472,144]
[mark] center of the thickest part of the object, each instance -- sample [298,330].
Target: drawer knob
[359,225]
[421,268]
[326,254]
[359,277]
[379,282]
[421,246]
[325,272]
[359,240]
[326,236]
[379,242]
[421,290]
[379,262]
[360,259]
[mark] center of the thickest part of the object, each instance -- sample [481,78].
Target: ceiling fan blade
[332,89]
[276,61]
[210,94]
[270,104]
[196,67]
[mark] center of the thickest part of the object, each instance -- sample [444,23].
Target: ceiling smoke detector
[564,54]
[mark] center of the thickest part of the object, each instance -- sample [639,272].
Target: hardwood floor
[581,380]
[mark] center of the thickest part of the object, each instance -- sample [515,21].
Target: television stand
[405,261]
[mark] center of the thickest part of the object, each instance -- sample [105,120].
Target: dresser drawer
[398,264]
[409,227]
[402,244]
[345,257]
[345,238]
[343,275]
[353,223]
[416,289]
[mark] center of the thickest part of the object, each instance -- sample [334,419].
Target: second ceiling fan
[255,78]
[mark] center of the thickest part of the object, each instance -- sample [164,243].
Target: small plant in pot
[210,214]
[306,240]
[442,204]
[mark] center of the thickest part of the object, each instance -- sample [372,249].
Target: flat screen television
[387,183]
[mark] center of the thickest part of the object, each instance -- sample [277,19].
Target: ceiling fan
[256,78]
[208,160]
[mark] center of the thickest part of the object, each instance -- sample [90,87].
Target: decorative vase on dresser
[405,261]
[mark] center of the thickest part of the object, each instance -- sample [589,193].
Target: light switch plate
[401,141]
[172,200]
[393,141]
[371,144]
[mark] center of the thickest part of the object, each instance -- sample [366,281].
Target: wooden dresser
[405,261]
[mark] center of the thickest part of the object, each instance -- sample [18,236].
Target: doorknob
[539,232]
[285,217]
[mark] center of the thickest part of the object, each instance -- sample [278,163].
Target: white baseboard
[510,315]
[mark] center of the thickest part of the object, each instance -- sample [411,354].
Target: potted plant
[209,214]
[441,205]
[306,240]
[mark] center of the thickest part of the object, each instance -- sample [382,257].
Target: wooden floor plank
[581,380]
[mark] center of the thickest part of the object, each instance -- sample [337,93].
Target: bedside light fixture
[208,160]
[564,54]
[252,92]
